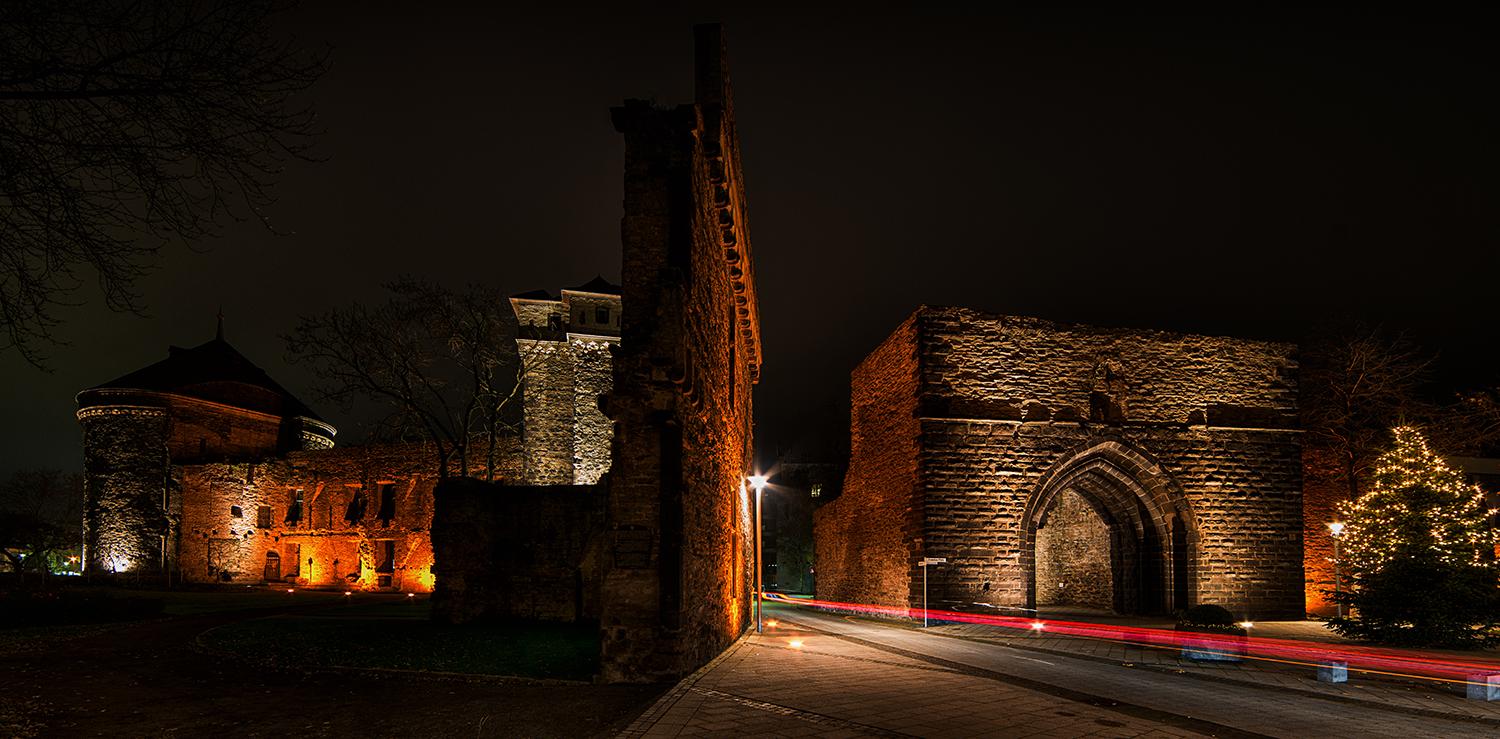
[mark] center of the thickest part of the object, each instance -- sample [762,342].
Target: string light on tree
[1415,550]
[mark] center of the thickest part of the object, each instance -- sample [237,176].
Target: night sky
[1230,174]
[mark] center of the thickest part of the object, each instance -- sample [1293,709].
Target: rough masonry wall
[593,376]
[1072,557]
[548,406]
[1189,442]
[126,478]
[676,581]
[869,540]
[517,551]
[1325,484]
[339,537]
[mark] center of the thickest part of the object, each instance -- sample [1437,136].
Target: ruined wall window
[385,555]
[236,512]
[356,510]
[263,517]
[387,503]
[293,559]
[581,320]
[385,559]
[555,322]
[294,511]
[601,314]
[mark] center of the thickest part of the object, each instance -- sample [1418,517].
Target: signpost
[924,564]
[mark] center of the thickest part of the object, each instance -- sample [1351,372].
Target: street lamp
[759,483]
[1336,530]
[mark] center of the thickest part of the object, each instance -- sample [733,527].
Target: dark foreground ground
[149,680]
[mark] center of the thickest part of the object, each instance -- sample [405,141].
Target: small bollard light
[1247,625]
[1037,625]
[796,644]
[289,590]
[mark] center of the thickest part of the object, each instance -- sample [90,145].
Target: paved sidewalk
[820,675]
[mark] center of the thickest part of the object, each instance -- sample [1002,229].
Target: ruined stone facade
[204,467]
[565,345]
[677,577]
[1031,454]
[356,518]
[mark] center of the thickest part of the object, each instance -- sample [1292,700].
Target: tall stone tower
[677,580]
[204,404]
[565,348]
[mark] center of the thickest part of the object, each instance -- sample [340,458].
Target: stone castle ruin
[626,498]
[204,466]
[1052,464]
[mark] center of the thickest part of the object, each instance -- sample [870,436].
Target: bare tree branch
[125,124]
[446,363]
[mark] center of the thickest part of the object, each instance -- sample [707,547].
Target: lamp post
[759,483]
[1336,530]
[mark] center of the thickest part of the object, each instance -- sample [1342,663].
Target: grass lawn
[189,603]
[38,637]
[513,648]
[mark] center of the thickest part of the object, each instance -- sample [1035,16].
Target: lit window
[817,490]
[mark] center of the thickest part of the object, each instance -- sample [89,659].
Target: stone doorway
[1107,528]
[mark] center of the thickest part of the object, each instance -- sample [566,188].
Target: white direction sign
[934,561]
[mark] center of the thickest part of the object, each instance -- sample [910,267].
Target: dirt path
[147,680]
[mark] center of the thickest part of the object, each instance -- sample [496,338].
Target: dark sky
[1230,173]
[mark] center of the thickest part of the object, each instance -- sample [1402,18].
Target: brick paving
[821,675]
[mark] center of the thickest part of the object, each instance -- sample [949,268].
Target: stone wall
[866,539]
[548,405]
[517,551]
[129,504]
[593,375]
[1073,565]
[676,583]
[1186,445]
[363,523]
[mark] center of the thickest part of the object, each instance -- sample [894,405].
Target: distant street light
[759,483]
[1336,530]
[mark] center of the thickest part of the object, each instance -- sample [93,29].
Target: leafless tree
[1359,381]
[125,124]
[41,514]
[445,362]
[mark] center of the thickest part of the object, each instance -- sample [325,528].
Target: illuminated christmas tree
[1419,554]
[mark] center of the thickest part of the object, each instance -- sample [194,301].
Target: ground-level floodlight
[759,483]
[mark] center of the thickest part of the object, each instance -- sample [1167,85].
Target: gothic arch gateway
[1151,537]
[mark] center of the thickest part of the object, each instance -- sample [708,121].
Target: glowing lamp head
[758,482]
[1336,529]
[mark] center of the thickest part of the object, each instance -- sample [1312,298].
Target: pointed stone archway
[1152,534]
